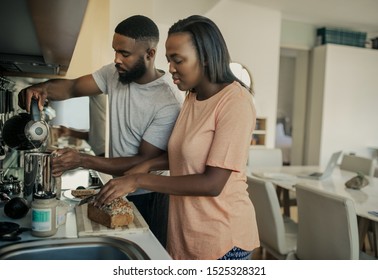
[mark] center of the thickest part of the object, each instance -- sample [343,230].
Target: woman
[210,213]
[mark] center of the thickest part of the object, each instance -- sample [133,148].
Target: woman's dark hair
[211,47]
[139,28]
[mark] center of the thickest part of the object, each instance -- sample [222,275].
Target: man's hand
[37,92]
[65,159]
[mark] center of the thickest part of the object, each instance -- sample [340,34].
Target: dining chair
[278,233]
[365,166]
[264,157]
[360,164]
[327,226]
[271,157]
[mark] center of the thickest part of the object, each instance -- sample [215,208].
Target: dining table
[365,199]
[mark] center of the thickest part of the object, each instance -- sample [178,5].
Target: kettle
[26,131]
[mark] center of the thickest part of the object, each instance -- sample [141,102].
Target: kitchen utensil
[16,208]
[87,199]
[10,231]
[37,130]
[26,131]
[11,186]
[13,132]
[38,179]
[4,197]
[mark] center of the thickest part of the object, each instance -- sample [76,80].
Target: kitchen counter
[145,239]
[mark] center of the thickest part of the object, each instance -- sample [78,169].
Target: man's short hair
[139,28]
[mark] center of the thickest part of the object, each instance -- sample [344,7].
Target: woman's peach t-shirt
[215,132]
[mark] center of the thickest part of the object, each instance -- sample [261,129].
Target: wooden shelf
[258,136]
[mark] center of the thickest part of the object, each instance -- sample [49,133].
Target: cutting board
[86,227]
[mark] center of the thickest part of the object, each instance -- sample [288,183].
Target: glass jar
[44,217]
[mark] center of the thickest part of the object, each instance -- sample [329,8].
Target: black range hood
[38,37]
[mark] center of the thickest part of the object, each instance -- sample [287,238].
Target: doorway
[291,104]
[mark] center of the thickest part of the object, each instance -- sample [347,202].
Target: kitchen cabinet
[259,134]
[342,102]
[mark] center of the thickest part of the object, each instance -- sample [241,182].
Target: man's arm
[58,89]
[155,164]
[67,159]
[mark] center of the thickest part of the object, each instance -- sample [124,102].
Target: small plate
[67,194]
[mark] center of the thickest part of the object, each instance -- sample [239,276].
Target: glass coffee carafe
[38,180]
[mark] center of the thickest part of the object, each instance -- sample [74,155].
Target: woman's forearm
[210,183]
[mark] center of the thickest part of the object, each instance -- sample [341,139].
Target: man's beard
[133,74]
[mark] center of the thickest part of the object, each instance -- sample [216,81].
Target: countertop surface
[144,238]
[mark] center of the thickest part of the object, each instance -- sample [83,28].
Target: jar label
[41,220]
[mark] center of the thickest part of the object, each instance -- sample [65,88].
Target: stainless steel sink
[87,248]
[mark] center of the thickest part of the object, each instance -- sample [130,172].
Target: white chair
[264,157]
[278,234]
[271,157]
[365,166]
[358,164]
[327,226]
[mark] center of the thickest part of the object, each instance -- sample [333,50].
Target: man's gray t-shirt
[139,111]
[97,121]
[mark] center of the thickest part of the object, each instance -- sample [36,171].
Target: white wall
[344,102]
[253,39]
[297,35]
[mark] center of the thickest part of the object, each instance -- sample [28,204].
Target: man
[143,107]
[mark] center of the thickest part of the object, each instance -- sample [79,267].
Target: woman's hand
[115,188]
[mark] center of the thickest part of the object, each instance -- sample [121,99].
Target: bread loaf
[117,213]
[83,193]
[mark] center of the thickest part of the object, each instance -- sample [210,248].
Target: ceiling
[356,15]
